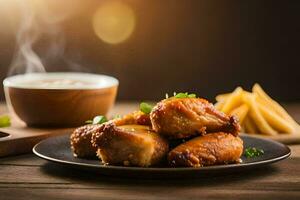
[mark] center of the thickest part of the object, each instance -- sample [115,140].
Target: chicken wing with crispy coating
[210,149]
[185,117]
[81,137]
[130,145]
[81,140]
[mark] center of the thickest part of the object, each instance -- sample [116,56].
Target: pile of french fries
[258,113]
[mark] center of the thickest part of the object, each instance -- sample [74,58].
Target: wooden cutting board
[19,139]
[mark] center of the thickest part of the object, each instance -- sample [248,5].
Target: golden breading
[130,145]
[210,149]
[185,117]
[81,140]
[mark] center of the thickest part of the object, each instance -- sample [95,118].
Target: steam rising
[38,21]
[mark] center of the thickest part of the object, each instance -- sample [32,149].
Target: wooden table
[28,177]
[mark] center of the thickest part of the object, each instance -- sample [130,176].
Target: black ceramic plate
[57,149]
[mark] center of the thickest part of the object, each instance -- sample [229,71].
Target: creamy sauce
[60,80]
[61,83]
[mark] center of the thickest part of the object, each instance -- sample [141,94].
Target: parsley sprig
[100,119]
[117,116]
[251,152]
[182,95]
[146,108]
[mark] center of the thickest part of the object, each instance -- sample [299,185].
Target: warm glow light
[114,22]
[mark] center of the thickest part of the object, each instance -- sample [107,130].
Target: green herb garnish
[97,120]
[251,152]
[192,95]
[117,116]
[146,108]
[184,95]
[4,121]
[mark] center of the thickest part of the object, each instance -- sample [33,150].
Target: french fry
[240,112]
[249,126]
[233,100]
[219,105]
[258,113]
[257,117]
[273,104]
[243,129]
[276,121]
[222,97]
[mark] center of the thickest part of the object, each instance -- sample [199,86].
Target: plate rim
[165,169]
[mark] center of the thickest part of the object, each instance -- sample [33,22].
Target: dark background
[202,46]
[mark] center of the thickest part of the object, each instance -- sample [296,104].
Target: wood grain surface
[28,177]
[19,139]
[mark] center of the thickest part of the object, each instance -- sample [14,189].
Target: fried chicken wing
[81,140]
[130,145]
[210,149]
[185,117]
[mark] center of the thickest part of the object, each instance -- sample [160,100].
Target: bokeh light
[114,22]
